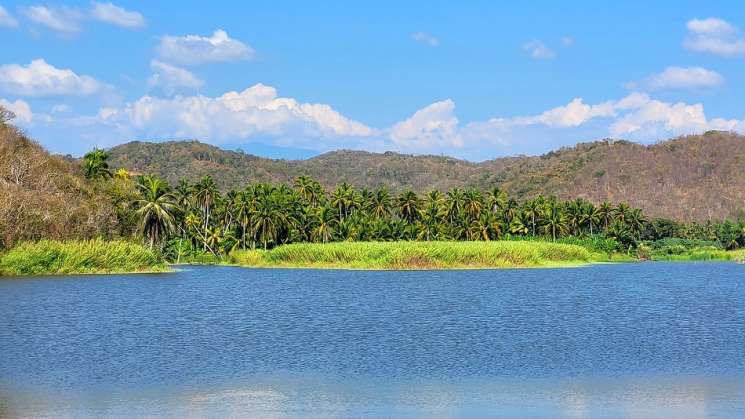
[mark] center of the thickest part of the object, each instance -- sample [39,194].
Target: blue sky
[476,80]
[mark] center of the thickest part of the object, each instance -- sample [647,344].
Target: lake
[642,340]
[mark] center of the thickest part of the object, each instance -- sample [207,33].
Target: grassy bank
[703,255]
[417,255]
[48,257]
[676,249]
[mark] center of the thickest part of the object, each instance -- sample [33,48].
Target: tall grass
[79,257]
[674,249]
[416,255]
[702,254]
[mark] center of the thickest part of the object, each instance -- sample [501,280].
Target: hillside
[45,196]
[693,177]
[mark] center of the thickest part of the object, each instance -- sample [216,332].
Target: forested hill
[693,177]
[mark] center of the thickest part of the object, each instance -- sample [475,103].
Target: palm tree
[408,206]
[591,216]
[95,164]
[430,219]
[532,210]
[325,220]
[473,203]
[380,203]
[156,208]
[206,193]
[453,204]
[554,220]
[573,213]
[306,188]
[497,199]
[343,199]
[243,208]
[605,211]
[517,226]
[622,212]
[486,227]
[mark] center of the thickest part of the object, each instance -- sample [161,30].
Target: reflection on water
[618,341]
[304,397]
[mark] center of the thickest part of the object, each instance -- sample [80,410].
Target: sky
[471,79]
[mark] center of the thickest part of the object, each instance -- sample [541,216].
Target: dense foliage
[196,218]
[696,177]
[79,257]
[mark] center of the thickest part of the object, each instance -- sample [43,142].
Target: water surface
[613,341]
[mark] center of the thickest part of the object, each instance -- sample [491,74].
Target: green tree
[96,165]
[156,208]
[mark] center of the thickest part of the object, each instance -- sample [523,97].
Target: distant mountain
[692,177]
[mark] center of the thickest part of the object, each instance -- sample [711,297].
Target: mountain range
[694,177]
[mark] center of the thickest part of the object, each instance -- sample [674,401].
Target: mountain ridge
[694,177]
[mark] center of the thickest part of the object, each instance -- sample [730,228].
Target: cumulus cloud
[715,36]
[171,78]
[115,15]
[234,116]
[430,129]
[195,49]
[538,50]
[41,79]
[6,19]
[680,78]
[61,19]
[425,38]
[20,108]
[637,117]
[259,114]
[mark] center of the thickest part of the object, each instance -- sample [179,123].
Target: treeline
[189,218]
[47,197]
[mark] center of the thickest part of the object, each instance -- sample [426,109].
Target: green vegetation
[676,249]
[696,177]
[47,197]
[417,255]
[48,257]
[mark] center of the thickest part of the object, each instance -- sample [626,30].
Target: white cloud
[20,108]
[110,13]
[41,79]
[60,19]
[6,19]
[425,38]
[258,114]
[538,50]
[234,116]
[171,78]
[573,114]
[567,41]
[715,36]
[430,129]
[195,49]
[711,26]
[681,78]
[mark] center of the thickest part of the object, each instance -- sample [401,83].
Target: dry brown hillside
[44,196]
[693,177]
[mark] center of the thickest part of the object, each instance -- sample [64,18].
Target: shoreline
[70,258]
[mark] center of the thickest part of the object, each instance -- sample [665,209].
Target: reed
[417,255]
[49,257]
